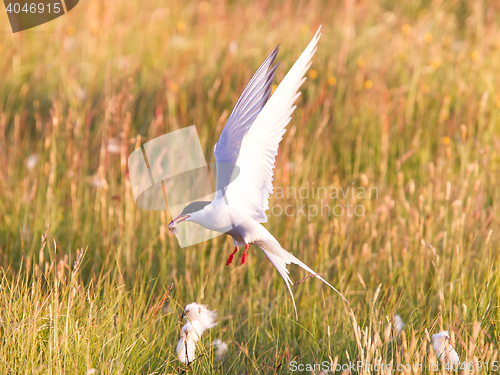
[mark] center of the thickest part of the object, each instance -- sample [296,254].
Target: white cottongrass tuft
[200,313]
[32,160]
[113,146]
[186,347]
[399,324]
[444,350]
[199,319]
[220,349]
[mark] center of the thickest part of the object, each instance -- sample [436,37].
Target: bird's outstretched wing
[247,108]
[251,189]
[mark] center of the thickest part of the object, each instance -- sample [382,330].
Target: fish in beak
[172,226]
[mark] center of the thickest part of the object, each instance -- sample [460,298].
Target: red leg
[244,257]
[230,259]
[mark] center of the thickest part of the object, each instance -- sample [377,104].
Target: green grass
[404,98]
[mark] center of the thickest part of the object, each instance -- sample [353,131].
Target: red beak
[178,219]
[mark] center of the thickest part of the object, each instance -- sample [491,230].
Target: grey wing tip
[271,73]
[273,55]
[273,68]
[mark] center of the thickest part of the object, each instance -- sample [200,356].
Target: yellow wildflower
[204,7]
[181,26]
[71,31]
[436,63]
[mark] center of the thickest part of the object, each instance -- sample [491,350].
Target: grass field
[402,97]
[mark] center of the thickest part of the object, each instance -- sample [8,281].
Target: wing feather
[251,189]
[247,108]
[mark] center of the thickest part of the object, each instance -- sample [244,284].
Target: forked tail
[280,258]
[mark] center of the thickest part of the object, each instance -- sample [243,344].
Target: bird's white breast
[220,217]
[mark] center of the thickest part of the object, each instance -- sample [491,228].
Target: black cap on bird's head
[189,209]
[195,206]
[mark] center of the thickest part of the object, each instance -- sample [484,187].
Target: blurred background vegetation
[402,96]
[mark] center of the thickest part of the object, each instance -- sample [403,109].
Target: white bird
[245,156]
[444,350]
[199,319]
